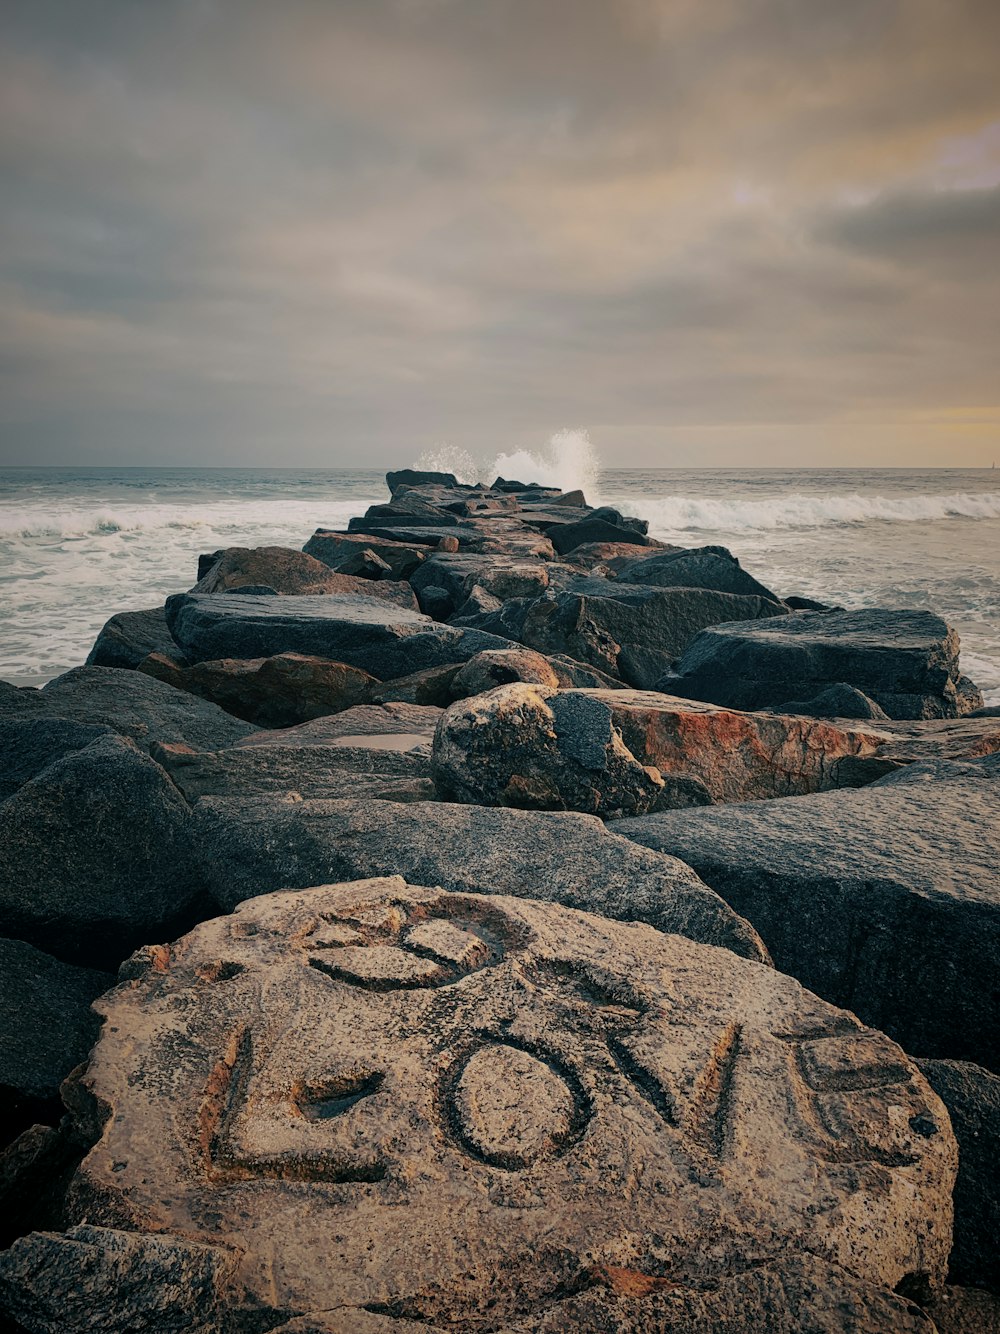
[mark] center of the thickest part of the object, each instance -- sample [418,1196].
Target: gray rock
[632,631]
[884,900]
[397,725]
[282,570]
[131,704]
[972,1097]
[906,661]
[90,887]
[419,477]
[837,701]
[385,641]
[248,848]
[339,551]
[46,1028]
[567,536]
[965,1311]
[458,574]
[129,637]
[30,744]
[702,567]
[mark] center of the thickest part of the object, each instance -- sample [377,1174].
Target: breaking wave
[569,461]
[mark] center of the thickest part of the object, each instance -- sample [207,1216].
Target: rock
[431,686]
[507,621]
[398,726]
[808,604]
[631,631]
[966,1311]
[501,666]
[339,551]
[35,1171]
[293,573]
[972,1097]
[447,543]
[703,567]
[248,848]
[458,574]
[418,477]
[130,703]
[367,564]
[566,537]
[539,748]
[989,711]
[613,555]
[884,900]
[96,1278]
[89,888]
[385,641]
[46,1028]
[30,744]
[468,1105]
[576,498]
[836,701]
[129,637]
[478,603]
[906,661]
[281,691]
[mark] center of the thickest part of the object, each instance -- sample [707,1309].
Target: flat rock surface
[385,641]
[131,704]
[465,1104]
[407,726]
[885,899]
[252,847]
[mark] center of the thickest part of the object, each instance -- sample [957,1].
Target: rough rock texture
[35,1172]
[458,574]
[339,551]
[419,477]
[249,848]
[385,641]
[906,661]
[130,703]
[702,567]
[129,637]
[836,701]
[631,631]
[30,744]
[885,900]
[567,536]
[293,573]
[966,1311]
[502,666]
[391,724]
[466,1105]
[46,1028]
[89,888]
[972,1097]
[539,748]
[281,691]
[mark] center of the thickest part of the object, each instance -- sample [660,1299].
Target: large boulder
[95,855]
[384,641]
[341,551]
[885,899]
[972,1097]
[465,1106]
[393,725]
[566,537]
[31,743]
[253,847]
[458,574]
[836,701]
[130,703]
[500,667]
[293,573]
[634,632]
[281,691]
[130,636]
[419,477]
[540,748]
[701,567]
[906,661]
[46,1028]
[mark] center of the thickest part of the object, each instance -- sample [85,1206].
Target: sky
[345,232]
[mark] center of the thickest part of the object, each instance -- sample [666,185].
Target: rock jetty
[490,918]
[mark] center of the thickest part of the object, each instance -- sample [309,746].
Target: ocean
[78,544]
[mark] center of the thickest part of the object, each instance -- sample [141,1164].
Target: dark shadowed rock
[129,637]
[702,567]
[965,1311]
[906,661]
[540,749]
[248,848]
[565,537]
[836,701]
[631,631]
[35,1172]
[281,691]
[972,1097]
[385,641]
[30,744]
[338,551]
[431,686]
[130,703]
[95,854]
[46,1028]
[419,477]
[885,900]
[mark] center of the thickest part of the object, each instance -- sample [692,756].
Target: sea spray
[569,461]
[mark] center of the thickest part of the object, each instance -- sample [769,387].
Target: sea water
[78,544]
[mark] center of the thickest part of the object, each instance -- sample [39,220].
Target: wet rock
[906,661]
[972,1097]
[884,900]
[129,637]
[386,642]
[46,1028]
[89,888]
[131,704]
[497,667]
[281,691]
[836,701]
[540,749]
[630,631]
[338,551]
[702,567]
[248,848]
[471,1106]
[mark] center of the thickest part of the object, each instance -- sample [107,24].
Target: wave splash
[798,510]
[569,461]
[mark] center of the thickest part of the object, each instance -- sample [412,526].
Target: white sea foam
[569,461]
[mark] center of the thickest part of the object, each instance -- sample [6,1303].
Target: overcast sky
[341,232]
